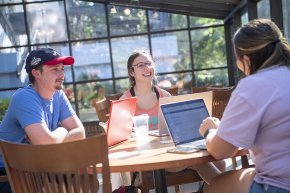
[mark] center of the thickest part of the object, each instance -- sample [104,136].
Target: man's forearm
[74,134]
[59,134]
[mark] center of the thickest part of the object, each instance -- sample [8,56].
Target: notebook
[120,122]
[162,128]
[183,120]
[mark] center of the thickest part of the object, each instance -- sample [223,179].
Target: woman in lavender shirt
[258,114]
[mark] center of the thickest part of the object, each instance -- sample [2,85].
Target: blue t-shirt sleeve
[28,109]
[66,108]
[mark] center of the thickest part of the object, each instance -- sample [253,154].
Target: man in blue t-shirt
[41,113]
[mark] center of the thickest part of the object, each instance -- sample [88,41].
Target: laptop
[183,120]
[120,123]
[162,128]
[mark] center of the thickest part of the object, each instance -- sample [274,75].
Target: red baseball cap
[46,56]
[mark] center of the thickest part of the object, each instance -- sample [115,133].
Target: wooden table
[152,155]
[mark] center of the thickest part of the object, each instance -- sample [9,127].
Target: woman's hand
[208,123]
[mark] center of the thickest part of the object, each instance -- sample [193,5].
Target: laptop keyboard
[200,144]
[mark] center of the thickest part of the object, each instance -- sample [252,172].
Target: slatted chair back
[199,89]
[58,168]
[172,90]
[92,128]
[113,97]
[102,108]
[221,97]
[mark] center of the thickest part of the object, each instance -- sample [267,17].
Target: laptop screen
[183,119]
[120,123]
[206,96]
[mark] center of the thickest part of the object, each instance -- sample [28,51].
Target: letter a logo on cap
[35,61]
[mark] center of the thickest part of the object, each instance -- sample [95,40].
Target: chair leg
[144,186]
[176,189]
[144,190]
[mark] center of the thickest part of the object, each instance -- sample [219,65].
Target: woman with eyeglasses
[141,71]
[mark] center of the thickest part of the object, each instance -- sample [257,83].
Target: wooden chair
[92,128]
[3,178]
[199,89]
[172,90]
[103,106]
[58,168]
[245,162]
[102,109]
[172,179]
[221,97]
[113,97]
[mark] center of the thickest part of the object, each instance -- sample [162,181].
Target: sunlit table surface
[151,154]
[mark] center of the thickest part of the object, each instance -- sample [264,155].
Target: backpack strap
[132,92]
[134,178]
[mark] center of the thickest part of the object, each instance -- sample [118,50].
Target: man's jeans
[4,186]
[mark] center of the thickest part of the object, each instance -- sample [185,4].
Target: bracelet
[206,132]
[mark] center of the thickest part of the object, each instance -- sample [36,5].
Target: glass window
[101,45]
[9,1]
[89,93]
[46,22]
[12,27]
[263,9]
[34,0]
[166,21]
[12,71]
[86,19]
[5,97]
[208,47]
[63,50]
[92,60]
[122,85]
[127,20]
[245,18]
[171,51]
[286,18]
[218,77]
[69,92]
[122,48]
[201,21]
[182,80]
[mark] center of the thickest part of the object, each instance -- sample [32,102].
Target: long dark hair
[262,41]
[130,61]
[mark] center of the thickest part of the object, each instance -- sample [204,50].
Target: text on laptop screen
[184,119]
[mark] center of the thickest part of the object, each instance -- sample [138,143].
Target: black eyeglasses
[142,65]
